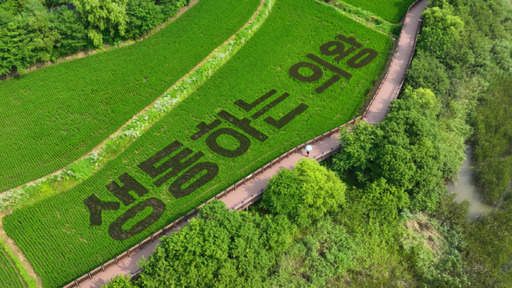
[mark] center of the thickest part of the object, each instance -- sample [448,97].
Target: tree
[493,139]
[442,28]
[304,194]
[143,15]
[120,281]
[103,18]
[427,71]
[404,150]
[26,37]
[170,7]
[73,35]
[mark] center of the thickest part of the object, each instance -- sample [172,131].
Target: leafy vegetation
[468,43]
[488,254]
[304,194]
[255,71]
[464,55]
[404,150]
[107,90]
[219,249]
[393,11]
[360,242]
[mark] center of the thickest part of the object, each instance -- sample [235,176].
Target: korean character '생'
[115,229]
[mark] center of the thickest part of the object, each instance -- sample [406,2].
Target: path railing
[397,91]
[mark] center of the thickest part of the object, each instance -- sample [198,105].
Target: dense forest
[378,214]
[33,31]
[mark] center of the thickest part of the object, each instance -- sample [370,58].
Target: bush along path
[110,148]
[248,190]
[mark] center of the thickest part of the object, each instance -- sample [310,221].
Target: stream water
[465,189]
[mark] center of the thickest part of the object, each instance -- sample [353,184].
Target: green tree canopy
[404,149]
[304,194]
[218,249]
[102,18]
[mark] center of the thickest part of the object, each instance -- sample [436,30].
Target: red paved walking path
[251,189]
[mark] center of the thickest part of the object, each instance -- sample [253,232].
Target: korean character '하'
[214,133]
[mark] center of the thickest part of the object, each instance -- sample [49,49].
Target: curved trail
[250,189]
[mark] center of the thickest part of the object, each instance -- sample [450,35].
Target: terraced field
[304,72]
[51,117]
[391,10]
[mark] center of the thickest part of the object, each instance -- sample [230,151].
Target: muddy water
[465,189]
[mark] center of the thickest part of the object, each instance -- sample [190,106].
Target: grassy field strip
[53,116]
[393,10]
[68,177]
[305,71]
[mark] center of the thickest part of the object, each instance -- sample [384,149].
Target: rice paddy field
[391,10]
[52,116]
[10,275]
[307,70]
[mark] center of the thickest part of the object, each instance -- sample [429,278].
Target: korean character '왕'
[341,50]
[243,125]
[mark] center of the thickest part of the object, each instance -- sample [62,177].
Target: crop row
[51,117]
[393,10]
[304,72]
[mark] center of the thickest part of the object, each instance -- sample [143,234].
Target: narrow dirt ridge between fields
[19,254]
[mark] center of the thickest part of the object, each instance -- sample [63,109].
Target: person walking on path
[308,149]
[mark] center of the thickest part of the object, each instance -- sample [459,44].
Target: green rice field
[306,71]
[10,275]
[391,10]
[53,116]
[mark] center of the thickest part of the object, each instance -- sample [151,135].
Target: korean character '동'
[172,160]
